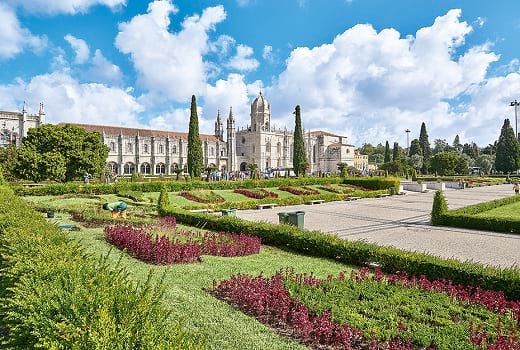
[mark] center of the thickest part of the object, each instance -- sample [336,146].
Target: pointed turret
[219,128]
[231,142]
[41,114]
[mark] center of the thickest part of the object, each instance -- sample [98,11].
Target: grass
[186,298]
[510,211]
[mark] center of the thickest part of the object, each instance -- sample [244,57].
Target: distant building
[14,125]
[156,152]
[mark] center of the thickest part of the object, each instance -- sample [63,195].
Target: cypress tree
[387,152]
[456,141]
[415,148]
[299,160]
[195,163]
[425,147]
[395,152]
[507,152]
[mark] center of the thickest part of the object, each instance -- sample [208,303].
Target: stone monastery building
[155,152]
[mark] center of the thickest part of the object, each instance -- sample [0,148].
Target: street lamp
[515,104]
[407,131]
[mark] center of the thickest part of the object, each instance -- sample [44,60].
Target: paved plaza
[403,222]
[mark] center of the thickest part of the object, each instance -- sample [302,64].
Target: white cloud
[68,100]
[372,85]
[103,70]
[71,7]
[80,48]
[176,70]
[243,3]
[13,38]
[222,46]
[243,61]
[267,53]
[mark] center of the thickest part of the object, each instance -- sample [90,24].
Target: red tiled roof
[119,130]
[323,133]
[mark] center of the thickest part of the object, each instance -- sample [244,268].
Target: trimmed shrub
[164,198]
[55,296]
[440,207]
[373,183]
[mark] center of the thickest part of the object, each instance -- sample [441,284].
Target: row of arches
[145,168]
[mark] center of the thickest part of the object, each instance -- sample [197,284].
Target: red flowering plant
[258,193]
[208,197]
[299,191]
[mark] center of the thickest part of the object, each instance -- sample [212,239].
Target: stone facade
[155,152]
[14,125]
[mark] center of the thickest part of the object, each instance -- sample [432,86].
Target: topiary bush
[440,207]
[164,198]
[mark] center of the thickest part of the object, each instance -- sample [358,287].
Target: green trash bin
[392,190]
[229,212]
[296,218]
[283,218]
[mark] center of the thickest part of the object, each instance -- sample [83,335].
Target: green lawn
[510,211]
[188,301]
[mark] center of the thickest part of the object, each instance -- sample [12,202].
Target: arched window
[112,146]
[113,168]
[161,149]
[145,168]
[129,147]
[159,168]
[145,148]
[268,147]
[129,168]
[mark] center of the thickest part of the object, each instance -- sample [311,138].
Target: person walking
[118,209]
[516,187]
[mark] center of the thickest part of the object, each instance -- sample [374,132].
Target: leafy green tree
[8,159]
[463,163]
[195,156]
[415,161]
[471,149]
[507,150]
[366,149]
[425,148]
[444,163]
[387,152]
[342,167]
[440,145]
[395,167]
[485,162]
[415,148]
[395,152]
[456,143]
[299,145]
[61,153]
[376,158]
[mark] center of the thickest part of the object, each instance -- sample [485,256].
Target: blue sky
[366,69]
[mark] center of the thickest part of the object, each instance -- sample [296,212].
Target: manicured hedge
[391,259]
[465,217]
[55,296]
[171,186]
[373,183]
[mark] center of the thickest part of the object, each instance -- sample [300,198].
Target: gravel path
[403,222]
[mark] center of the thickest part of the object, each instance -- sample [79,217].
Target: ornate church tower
[41,115]
[260,114]
[231,143]
[219,128]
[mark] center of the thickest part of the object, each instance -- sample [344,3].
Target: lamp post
[515,104]
[407,131]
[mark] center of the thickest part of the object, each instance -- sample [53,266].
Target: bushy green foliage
[54,296]
[60,153]
[299,159]
[373,183]
[136,196]
[164,198]
[8,160]
[195,155]
[448,163]
[508,150]
[315,243]
[2,180]
[440,207]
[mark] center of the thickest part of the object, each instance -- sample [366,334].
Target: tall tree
[440,145]
[61,153]
[425,148]
[507,150]
[395,152]
[456,142]
[8,158]
[387,152]
[195,156]
[299,160]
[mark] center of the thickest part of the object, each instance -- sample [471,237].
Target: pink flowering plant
[164,244]
[258,193]
[368,310]
[299,191]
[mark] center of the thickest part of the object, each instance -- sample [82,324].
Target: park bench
[352,198]
[267,206]
[315,201]
[204,210]
[382,195]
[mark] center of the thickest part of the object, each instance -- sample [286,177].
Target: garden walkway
[403,222]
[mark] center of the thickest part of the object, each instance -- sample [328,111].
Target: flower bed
[203,196]
[299,191]
[374,311]
[162,244]
[258,193]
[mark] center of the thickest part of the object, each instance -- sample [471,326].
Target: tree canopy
[195,156]
[60,153]
[507,150]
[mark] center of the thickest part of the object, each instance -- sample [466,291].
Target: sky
[365,69]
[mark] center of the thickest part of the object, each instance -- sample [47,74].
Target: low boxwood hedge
[374,183]
[390,259]
[466,217]
[55,296]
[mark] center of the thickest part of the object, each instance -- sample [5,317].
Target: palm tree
[252,168]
